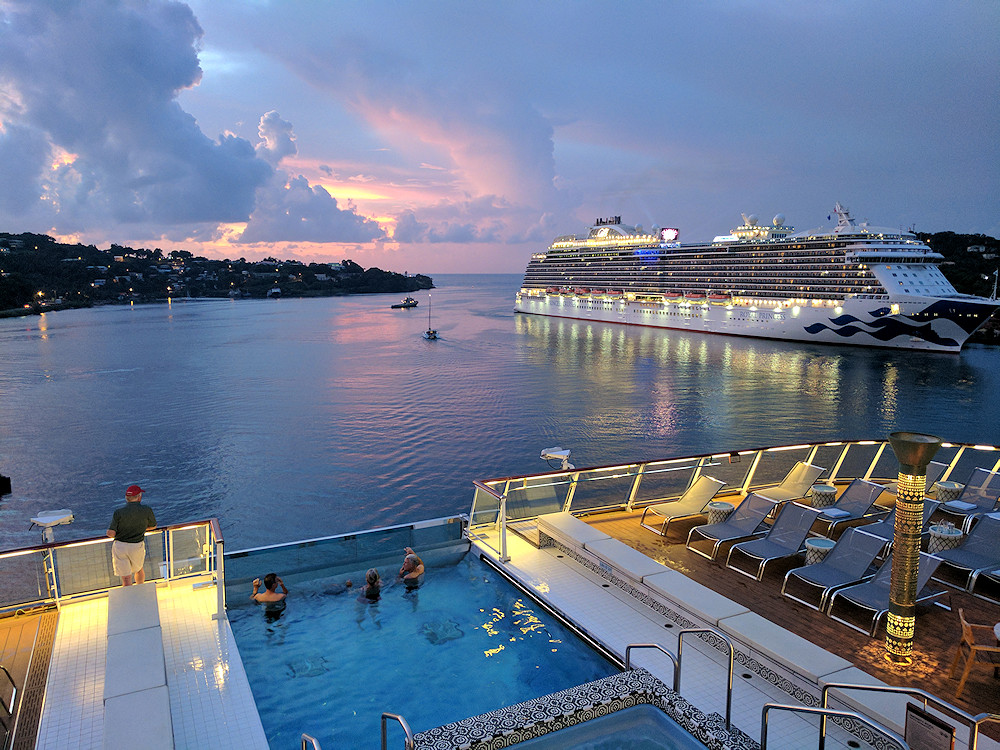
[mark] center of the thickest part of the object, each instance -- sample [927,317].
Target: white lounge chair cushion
[960,505]
[693,597]
[623,558]
[132,608]
[836,513]
[150,707]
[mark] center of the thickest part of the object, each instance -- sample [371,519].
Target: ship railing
[59,572]
[515,502]
[971,722]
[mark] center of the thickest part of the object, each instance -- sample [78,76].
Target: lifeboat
[719,299]
[581,291]
[614,293]
[552,290]
[566,292]
[672,296]
[697,297]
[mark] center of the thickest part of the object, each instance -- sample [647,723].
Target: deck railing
[58,572]
[629,486]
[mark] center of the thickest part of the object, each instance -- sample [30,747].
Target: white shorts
[127,557]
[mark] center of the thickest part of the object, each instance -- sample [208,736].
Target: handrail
[972,722]
[8,707]
[732,660]
[409,743]
[668,652]
[310,739]
[213,522]
[824,712]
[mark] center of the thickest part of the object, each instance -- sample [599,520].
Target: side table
[943,537]
[945,492]
[823,495]
[817,548]
[717,511]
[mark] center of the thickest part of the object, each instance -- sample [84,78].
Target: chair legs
[969,659]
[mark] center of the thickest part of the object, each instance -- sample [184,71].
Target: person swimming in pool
[412,571]
[373,586]
[273,600]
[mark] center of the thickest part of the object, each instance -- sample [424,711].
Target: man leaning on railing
[128,528]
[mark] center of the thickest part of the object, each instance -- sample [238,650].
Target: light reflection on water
[296,418]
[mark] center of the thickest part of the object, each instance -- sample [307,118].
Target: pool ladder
[408,744]
[677,663]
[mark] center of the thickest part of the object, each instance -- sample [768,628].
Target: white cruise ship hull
[913,323]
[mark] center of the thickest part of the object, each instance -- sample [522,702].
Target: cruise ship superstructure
[852,284]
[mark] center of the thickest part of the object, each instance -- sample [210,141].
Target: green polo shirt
[131,521]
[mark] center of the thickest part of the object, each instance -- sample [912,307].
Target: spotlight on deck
[49,518]
[557,454]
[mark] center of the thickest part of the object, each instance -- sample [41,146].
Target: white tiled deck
[210,700]
[616,619]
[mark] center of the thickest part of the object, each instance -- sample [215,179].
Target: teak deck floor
[938,631]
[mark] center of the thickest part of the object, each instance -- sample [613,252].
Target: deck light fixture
[913,451]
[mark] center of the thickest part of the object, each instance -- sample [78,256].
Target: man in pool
[270,594]
[412,571]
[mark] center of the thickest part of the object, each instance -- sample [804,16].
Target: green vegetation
[37,273]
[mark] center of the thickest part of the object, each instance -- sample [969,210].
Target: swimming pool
[464,643]
[641,727]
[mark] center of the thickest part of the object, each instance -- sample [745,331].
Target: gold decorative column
[913,451]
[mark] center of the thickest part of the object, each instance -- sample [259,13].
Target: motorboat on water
[405,303]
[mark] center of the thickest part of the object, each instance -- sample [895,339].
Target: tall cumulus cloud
[92,135]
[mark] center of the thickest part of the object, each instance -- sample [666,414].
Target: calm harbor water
[292,419]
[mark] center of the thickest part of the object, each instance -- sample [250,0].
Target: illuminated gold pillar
[913,451]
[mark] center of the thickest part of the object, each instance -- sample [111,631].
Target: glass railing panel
[23,576]
[858,460]
[775,464]
[485,507]
[85,567]
[191,550]
[536,496]
[666,480]
[972,459]
[603,488]
[827,456]
[886,468]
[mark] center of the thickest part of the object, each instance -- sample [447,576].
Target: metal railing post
[732,661]
[824,712]
[504,557]
[409,744]
[220,582]
[311,740]
[658,647]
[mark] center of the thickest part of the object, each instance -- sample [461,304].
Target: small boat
[672,296]
[430,334]
[274,292]
[613,293]
[552,290]
[582,291]
[407,302]
[719,299]
[698,297]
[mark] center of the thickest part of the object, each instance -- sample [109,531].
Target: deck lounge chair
[743,523]
[979,496]
[847,563]
[783,539]
[853,504]
[980,552]
[691,503]
[797,482]
[873,596]
[935,469]
[886,528]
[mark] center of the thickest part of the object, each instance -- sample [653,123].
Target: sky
[460,137]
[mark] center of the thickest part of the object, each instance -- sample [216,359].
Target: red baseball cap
[134,490]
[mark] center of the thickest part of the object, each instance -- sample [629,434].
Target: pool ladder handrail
[972,722]
[824,712]
[677,660]
[311,740]
[409,743]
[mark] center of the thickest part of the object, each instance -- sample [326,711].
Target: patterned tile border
[797,688]
[524,721]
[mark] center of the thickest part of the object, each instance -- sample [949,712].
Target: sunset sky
[436,137]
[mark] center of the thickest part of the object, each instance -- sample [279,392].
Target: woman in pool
[373,586]
[412,571]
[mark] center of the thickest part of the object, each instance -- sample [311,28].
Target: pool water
[641,727]
[464,643]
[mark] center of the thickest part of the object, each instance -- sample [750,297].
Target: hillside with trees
[37,273]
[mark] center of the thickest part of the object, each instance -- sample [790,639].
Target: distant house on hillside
[976,249]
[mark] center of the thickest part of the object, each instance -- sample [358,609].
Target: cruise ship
[852,284]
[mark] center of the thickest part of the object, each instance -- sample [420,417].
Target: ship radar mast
[844,219]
